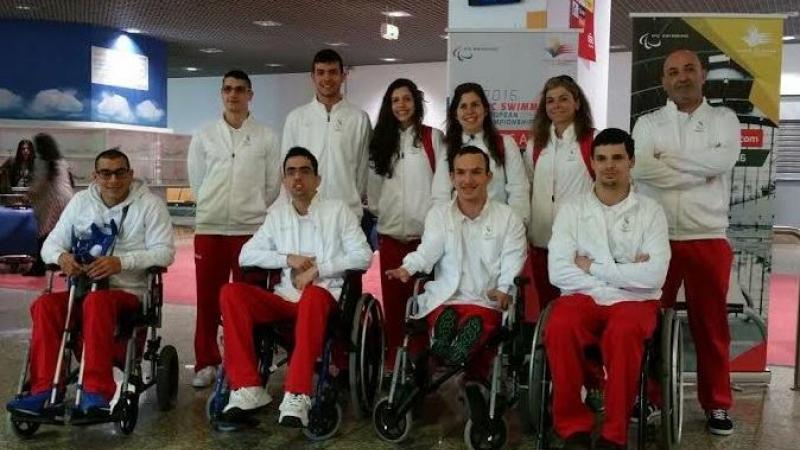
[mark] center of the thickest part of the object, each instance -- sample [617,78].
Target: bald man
[685,152]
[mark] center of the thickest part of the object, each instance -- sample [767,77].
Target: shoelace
[719,414]
[296,400]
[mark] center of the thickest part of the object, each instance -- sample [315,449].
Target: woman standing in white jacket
[469,122]
[408,162]
[557,158]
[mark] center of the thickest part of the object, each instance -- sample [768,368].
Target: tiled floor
[766,418]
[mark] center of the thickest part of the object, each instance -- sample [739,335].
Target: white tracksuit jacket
[146,237]
[612,236]
[684,161]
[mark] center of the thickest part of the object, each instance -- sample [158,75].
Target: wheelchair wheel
[671,380]
[366,355]
[538,399]
[167,378]
[388,425]
[23,429]
[492,435]
[323,421]
[128,413]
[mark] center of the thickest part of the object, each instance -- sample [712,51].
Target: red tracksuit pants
[395,292]
[99,313]
[704,268]
[216,260]
[480,367]
[244,306]
[577,322]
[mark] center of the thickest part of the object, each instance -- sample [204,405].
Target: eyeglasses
[303,171]
[237,89]
[105,174]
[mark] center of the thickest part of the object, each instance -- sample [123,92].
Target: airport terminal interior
[144,76]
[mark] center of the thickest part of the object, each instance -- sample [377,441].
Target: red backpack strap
[427,145]
[586,151]
[501,149]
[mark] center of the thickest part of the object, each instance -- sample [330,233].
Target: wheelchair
[486,428]
[161,373]
[662,361]
[357,325]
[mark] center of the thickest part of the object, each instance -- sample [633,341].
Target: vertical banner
[742,57]
[581,15]
[512,67]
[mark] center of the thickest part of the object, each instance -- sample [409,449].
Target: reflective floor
[765,417]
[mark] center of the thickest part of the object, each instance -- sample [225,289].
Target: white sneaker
[204,377]
[248,398]
[294,410]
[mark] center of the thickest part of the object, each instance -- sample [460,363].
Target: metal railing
[793,233]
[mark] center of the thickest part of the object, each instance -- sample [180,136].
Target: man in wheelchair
[609,256]
[478,247]
[314,241]
[142,237]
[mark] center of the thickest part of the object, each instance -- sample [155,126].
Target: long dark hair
[582,122]
[21,161]
[454,129]
[385,144]
[47,150]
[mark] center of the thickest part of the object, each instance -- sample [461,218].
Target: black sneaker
[578,441]
[466,338]
[444,330]
[719,422]
[652,412]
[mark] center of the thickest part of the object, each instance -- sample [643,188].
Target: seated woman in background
[49,192]
[19,169]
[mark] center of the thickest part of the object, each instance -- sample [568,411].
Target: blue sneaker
[93,403]
[31,404]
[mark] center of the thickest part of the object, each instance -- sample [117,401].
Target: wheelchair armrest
[259,276]
[352,273]
[154,270]
[521,281]
[52,267]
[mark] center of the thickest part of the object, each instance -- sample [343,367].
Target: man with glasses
[336,132]
[234,175]
[144,238]
[313,241]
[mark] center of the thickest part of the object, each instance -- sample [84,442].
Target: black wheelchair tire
[167,378]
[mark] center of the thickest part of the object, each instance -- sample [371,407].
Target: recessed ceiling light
[336,44]
[211,50]
[274,65]
[617,47]
[396,14]
[132,30]
[390,59]
[191,69]
[267,23]
[444,36]
[789,38]
[24,7]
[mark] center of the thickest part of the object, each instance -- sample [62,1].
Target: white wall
[195,101]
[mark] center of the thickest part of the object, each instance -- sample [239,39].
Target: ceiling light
[444,36]
[390,31]
[390,59]
[211,50]
[132,30]
[396,14]
[191,69]
[336,44]
[267,23]
[617,47]
[24,7]
[274,65]
[789,38]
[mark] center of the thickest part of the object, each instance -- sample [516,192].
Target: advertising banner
[512,67]
[581,15]
[742,57]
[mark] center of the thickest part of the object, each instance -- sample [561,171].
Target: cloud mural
[55,102]
[9,100]
[115,107]
[149,111]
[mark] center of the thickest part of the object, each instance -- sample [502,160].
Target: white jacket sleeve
[196,164]
[513,255]
[441,187]
[563,245]
[159,240]
[60,238]
[644,275]
[357,254]
[431,248]
[374,190]
[261,250]
[716,160]
[517,184]
[650,170]
[289,133]
[362,165]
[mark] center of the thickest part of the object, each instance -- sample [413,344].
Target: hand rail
[795,233]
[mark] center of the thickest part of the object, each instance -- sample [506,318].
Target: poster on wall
[581,15]
[512,67]
[742,57]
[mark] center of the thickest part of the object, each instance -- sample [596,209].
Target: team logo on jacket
[626,224]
